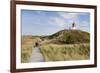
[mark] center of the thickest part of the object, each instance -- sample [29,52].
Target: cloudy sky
[49,22]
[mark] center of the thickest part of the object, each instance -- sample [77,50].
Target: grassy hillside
[63,45]
[70,36]
[54,52]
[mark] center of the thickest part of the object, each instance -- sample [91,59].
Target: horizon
[39,23]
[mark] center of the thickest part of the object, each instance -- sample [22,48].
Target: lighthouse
[73,26]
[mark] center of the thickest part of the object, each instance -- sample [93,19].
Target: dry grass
[28,44]
[54,52]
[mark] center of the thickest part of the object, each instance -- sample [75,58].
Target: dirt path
[36,56]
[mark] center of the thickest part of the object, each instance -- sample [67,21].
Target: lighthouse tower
[73,26]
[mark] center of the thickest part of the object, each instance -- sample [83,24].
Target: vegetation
[71,36]
[28,43]
[26,54]
[53,52]
[61,46]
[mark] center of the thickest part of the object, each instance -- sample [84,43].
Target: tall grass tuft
[54,52]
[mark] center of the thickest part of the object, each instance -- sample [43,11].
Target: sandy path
[36,56]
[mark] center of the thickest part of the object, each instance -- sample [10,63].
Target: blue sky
[48,22]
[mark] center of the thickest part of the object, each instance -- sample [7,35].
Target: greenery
[71,36]
[63,45]
[53,52]
[27,45]
[26,54]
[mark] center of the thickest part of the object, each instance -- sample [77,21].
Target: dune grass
[54,52]
[26,53]
[27,45]
[62,46]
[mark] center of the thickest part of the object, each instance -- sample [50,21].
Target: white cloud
[84,25]
[65,20]
[68,15]
[57,21]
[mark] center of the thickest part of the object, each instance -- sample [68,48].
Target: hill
[63,45]
[69,37]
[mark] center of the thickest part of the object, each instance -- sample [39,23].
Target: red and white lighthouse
[73,26]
